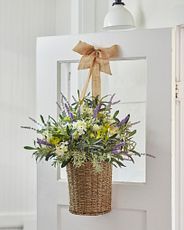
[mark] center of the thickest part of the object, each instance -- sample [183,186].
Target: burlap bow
[97,60]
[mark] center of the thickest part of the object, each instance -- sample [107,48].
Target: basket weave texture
[90,192]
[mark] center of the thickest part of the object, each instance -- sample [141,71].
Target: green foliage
[86,130]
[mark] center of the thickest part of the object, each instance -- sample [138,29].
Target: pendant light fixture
[118,17]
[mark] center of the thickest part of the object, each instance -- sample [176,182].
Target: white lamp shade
[118,18]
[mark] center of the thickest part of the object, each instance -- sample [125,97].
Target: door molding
[83,18]
[178,157]
[18,221]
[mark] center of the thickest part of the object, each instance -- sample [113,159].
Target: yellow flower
[100,134]
[92,135]
[66,119]
[54,140]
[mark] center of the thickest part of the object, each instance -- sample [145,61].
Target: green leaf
[65,163]
[115,114]
[29,148]
[42,119]
[49,156]
[114,164]
[78,94]
[135,152]
[132,133]
[130,157]
[98,141]
[113,136]
[120,164]
[68,130]
[117,120]
[54,121]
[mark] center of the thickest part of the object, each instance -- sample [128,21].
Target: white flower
[89,111]
[109,120]
[62,148]
[96,127]
[85,109]
[80,127]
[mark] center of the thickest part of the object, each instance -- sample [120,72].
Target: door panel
[117,219]
[140,206]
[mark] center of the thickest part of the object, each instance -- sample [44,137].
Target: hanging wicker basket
[90,192]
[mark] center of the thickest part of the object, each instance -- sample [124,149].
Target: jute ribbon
[96,60]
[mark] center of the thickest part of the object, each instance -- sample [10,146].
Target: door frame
[178,125]
[51,56]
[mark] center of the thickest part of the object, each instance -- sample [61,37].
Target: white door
[142,79]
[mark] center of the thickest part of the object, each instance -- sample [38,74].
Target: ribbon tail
[96,81]
[84,90]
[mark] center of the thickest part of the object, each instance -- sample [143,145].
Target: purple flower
[43,142]
[124,121]
[116,151]
[121,144]
[65,99]
[70,114]
[95,113]
[117,148]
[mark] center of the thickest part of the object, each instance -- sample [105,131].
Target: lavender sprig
[70,114]
[28,127]
[67,102]
[95,113]
[124,121]
[43,142]
[117,148]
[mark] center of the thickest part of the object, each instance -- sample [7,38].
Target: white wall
[21,21]
[147,14]
[156,13]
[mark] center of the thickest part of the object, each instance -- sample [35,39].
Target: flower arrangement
[86,131]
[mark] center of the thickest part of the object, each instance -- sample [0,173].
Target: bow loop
[97,60]
[110,52]
[83,48]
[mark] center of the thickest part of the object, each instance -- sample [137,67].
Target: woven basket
[90,192]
